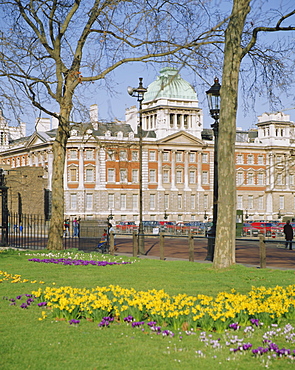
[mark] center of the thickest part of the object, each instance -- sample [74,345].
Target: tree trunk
[224,254]
[55,237]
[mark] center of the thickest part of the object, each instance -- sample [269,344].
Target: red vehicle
[126,226]
[167,225]
[265,228]
[249,230]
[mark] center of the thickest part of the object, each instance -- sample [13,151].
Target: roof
[170,85]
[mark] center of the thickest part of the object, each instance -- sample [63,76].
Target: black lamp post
[4,195]
[139,94]
[213,96]
[165,215]
[110,217]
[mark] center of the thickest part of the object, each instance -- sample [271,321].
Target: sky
[111,107]
[113,102]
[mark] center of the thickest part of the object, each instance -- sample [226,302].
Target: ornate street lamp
[213,96]
[110,217]
[165,215]
[139,94]
[246,215]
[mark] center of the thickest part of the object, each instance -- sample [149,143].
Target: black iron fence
[31,232]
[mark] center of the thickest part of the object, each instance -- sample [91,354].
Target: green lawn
[27,342]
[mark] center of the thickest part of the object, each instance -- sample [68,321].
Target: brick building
[102,163]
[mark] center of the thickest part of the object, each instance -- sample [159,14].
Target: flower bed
[75,262]
[237,316]
[268,305]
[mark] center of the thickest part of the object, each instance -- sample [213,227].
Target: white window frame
[240,178]
[110,155]
[250,159]
[111,201]
[73,201]
[260,202]
[89,154]
[260,178]
[135,173]
[240,159]
[250,201]
[152,156]
[152,201]
[123,155]
[205,177]
[250,178]
[123,175]
[89,174]
[135,155]
[240,202]
[179,201]
[89,201]
[111,175]
[192,176]
[123,201]
[193,202]
[192,157]
[153,176]
[282,202]
[178,156]
[73,174]
[73,154]
[166,201]
[166,156]
[206,201]
[280,179]
[179,176]
[134,201]
[166,176]
[204,157]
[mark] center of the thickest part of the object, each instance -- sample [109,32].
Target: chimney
[54,122]
[93,111]
[42,124]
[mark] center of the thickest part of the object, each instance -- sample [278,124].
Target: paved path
[247,251]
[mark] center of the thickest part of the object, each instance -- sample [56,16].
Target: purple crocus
[234,326]
[74,322]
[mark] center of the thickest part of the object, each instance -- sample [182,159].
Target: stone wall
[26,186]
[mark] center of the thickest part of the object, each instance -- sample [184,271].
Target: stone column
[173,186]
[186,176]
[81,168]
[160,169]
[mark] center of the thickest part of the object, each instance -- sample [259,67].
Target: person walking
[76,227]
[67,227]
[288,231]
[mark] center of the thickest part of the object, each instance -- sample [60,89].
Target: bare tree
[51,49]
[234,52]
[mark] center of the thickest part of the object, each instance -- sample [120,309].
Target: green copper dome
[170,85]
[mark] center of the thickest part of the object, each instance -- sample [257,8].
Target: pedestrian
[111,230]
[288,231]
[67,227]
[76,226]
[102,245]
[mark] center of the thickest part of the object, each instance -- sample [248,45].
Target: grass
[49,344]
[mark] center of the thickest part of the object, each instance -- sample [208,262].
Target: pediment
[181,138]
[35,139]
